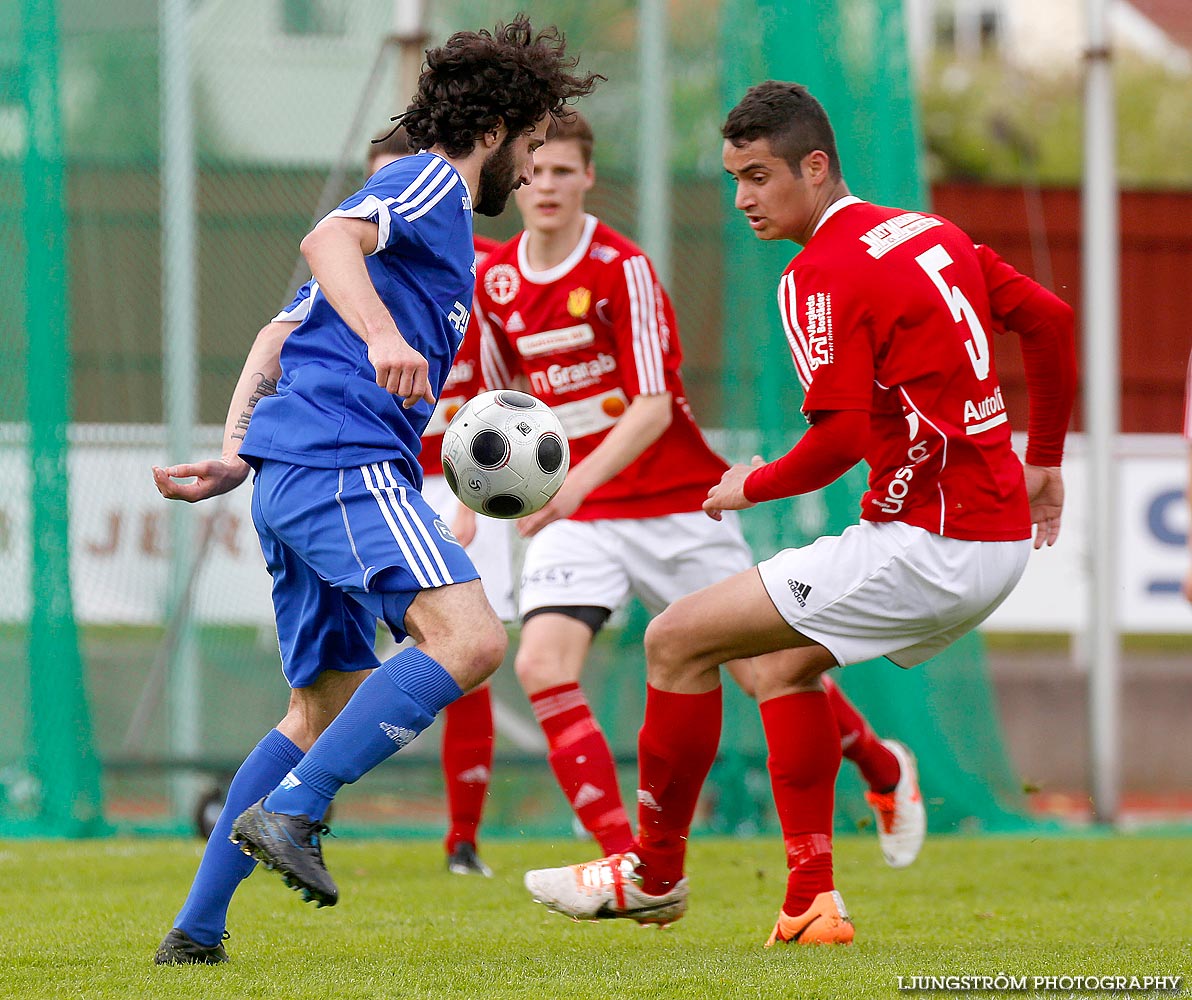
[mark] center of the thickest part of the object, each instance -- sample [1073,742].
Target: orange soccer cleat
[825,921]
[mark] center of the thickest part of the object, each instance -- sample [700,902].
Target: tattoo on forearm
[265,387]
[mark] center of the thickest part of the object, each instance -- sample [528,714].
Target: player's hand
[211,478]
[564,503]
[729,493]
[401,370]
[1045,491]
[463,525]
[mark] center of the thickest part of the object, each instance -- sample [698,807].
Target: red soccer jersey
[890,312]
[463,381]
[589,335]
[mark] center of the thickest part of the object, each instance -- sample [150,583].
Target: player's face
[777,204]
[507,167]
[561,179]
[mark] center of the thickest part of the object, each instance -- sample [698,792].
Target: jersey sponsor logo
[461,371]
[579,301]
[884,237]
[603,253]
[818,328]
[552,341]
[900,485]
[561,379]
[986,413]
[502,283]
[466,204]
[459,316]
[515,323]
[592,414]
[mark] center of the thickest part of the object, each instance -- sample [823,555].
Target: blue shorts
[346,548]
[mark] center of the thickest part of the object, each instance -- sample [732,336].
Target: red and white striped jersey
[891,312]
[463,381]
[589,335]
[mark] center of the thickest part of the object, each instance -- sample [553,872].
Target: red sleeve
[833,444]
[642,322]
[1047,328]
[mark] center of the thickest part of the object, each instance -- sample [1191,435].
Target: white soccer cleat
[603,889]
[901,818]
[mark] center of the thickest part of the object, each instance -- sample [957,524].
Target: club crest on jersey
[819,329]
[502,283]
[579,301]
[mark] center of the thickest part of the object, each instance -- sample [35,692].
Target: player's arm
[335,250]
[833,444]
[644,421]
[1046,327]
[258,379]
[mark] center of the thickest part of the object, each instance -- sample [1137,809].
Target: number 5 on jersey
[934,261]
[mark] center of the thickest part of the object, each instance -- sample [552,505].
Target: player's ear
[816,166]
[494,136]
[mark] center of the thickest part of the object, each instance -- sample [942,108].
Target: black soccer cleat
[464,860]
[290,845]
[179,948]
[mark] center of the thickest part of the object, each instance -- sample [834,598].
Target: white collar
[836,206]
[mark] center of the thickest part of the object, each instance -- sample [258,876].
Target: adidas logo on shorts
[802,591]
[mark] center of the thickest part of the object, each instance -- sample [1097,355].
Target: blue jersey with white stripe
[329,411]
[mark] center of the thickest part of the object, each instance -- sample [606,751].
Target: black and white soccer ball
[505,454]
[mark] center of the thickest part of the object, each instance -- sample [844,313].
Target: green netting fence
[137,653]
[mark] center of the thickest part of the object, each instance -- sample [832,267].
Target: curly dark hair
[478,81]
[788,117]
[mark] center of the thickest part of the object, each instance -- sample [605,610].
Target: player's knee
[664,649]
[486,650]
[536,671]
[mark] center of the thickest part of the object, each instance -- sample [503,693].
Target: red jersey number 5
[934,261]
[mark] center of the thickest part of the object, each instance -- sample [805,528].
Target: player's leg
[685,646]
[570,585]
[467,769]
[371,534]
[468,729]
[890,771]
[303,604]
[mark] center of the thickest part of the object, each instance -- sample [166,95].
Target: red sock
[583,764]
[861,745]
[804,746]
[676,748]
[467,762]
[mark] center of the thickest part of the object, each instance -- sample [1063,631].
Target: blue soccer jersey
[329,411]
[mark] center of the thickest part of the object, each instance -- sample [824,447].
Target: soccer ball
[505,454]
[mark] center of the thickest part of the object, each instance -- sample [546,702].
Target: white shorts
[890,589]
[658,559]
[491,551]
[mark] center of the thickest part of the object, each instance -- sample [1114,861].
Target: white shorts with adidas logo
[890,589]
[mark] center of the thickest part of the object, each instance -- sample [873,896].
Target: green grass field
[82,919]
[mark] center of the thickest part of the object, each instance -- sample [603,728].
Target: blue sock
[398,700]
[204,915]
